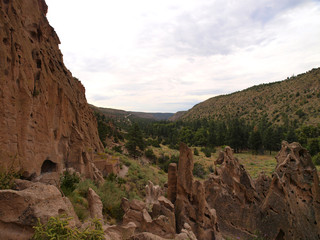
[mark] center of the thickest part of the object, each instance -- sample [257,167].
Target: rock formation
[20,209]
[45,121]
[159,220]
[231,191]
[172,182]
[291,208]
[191,207]
[286,207]
[153,192]
[95,204]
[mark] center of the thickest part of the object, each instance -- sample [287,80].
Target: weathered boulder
[119,232]
[159,221]
[191,206]
[146,236]
[186,233]
[95,204]
[291,208]
[45,121]
[20,210]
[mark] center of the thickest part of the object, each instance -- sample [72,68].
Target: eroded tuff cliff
[45,121]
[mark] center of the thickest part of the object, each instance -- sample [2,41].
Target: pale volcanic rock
[45,121]
[95,204]
[20,210]
[153,192]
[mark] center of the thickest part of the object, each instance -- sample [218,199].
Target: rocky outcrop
[21,209]
[291,208]
[45,122]
[231,191]
[95,204]
[153,192]
[159,220]
[191,207]
[172,182]
[284,207]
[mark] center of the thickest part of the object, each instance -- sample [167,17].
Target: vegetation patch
[58,228]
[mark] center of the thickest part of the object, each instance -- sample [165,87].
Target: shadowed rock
[172,182]
[284,207]
[231,191]
[291,208]
[191,206]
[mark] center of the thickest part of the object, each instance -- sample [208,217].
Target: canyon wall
[45,122]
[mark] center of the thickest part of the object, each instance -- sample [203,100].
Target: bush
[316,159]
[68,182]
[196,152]
[58,228]
[206,151]
[199,171]
[150,155]
[111,195]
[7,178]
[117,149]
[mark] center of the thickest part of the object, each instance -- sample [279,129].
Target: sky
[168,55]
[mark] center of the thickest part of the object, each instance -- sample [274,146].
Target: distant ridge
[296,98]
[116,113]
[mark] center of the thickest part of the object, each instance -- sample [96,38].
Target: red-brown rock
[191,206]
[172,182]
[45,121]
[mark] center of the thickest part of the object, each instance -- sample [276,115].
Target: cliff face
[45,121]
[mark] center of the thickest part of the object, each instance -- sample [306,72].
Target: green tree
[135,143]
[255,141]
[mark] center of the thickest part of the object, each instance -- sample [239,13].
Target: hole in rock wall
[48,166]
[280,235]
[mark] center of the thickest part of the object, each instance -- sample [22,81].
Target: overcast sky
[168,55]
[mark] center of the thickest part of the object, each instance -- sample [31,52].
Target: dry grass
[254,164]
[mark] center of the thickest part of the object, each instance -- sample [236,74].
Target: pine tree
[135,143]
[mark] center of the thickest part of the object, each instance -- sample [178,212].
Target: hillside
[122,114]
[297,98]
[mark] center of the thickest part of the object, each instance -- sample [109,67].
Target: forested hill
[296,98]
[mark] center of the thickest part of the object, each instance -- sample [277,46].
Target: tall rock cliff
[45,121]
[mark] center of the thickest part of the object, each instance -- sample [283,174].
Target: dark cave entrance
[48,166]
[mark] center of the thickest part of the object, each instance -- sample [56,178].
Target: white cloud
[169,55]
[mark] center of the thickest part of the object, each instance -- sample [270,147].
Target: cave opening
[48,166]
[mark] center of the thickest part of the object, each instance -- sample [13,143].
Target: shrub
[111,195]
[196,152]
[150,155]
[7,178]
[206,151]
[68,182]
[58,228]
[117,149]
[199,171]
[316,159]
